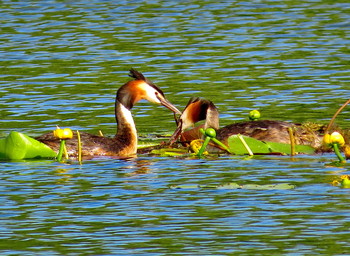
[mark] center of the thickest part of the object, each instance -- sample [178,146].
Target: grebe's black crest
[139,76]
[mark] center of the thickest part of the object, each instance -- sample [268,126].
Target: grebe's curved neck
[126,129]
[125,121]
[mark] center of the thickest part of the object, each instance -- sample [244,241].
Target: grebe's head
[197,109]
[142,89]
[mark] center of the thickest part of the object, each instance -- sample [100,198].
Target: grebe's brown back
[124,143]
[266,130]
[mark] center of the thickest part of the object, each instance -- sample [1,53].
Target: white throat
[124,119]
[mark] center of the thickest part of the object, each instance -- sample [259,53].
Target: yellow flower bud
[63,134]
[345,181]
[254,114]
[347,151]
[327,139]
[336,137]
[210,132]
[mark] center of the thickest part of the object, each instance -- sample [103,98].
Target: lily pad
[256,146]
[233,185]
[163,152]
[263,147]
[286,148]
[142,145]
[268,186]
[18,146]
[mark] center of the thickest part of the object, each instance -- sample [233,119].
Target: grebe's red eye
[157,96]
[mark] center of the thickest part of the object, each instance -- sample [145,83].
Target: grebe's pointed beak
[168,105]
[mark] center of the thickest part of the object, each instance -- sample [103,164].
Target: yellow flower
[63,134]
[336,137]
[196,145]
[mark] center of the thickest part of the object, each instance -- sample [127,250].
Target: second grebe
[196,110]
[124,143]
[266,130]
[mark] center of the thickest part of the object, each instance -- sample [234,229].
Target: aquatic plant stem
[60,151]
[292,141]
[250,152]
[215,140]
[65,151]
[204,146]
[222,145]
[337,152]
[335,115]
[79,147]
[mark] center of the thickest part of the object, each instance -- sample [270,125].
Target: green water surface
[61,64]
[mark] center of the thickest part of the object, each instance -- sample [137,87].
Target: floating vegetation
[232,185]
[343,181]
[335,140]
[164,152]
[17,146]
[263,147]
[63,135]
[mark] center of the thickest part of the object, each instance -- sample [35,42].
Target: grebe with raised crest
[124,143]
[199,109]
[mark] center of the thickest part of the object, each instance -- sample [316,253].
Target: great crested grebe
[196,110]
[267,130]
[124,143]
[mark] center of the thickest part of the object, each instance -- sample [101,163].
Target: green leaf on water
[286,148]
[142,145]
[268,186]
[257,147]
[230,185]
[234,185]
[264,147]
[169,152]
[18,146]
[185,186]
